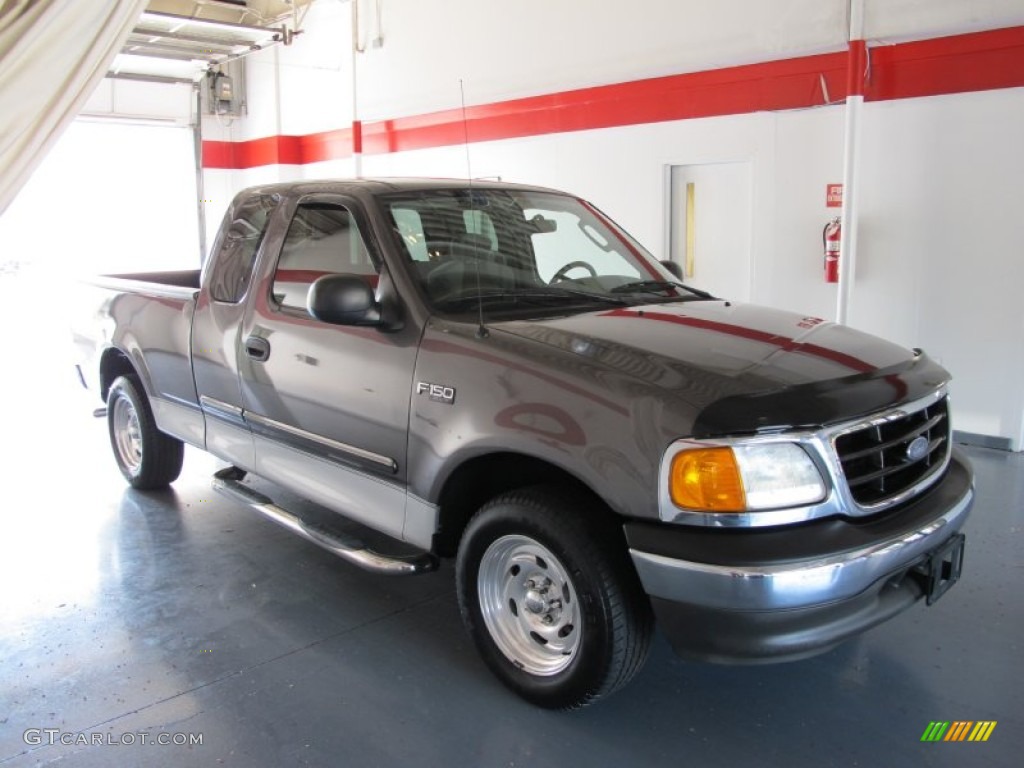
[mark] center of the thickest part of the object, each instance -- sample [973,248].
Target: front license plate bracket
[942,568]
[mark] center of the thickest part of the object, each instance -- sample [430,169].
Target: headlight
[743,478]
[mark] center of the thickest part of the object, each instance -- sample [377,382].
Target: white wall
[942,265]
[914,19]
[508,50]
[808,155]
[940,257]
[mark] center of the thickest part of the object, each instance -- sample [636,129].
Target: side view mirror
[343,300]
[672,267]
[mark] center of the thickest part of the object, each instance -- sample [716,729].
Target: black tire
[147,457]
[522,616]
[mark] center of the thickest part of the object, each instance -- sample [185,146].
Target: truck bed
[183,282]
[114,306]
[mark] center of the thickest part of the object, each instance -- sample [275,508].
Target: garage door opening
[109,197]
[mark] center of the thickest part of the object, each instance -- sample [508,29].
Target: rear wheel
[147,457]
[551,599]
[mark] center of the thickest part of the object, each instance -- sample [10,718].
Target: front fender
[516,395]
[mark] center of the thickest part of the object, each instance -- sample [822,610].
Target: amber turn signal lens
[707,479]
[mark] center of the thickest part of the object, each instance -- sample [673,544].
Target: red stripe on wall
[272,150]
[958,64]
[329,145]
[981,61]
[775,85]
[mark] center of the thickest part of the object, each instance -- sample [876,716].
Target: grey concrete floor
[124,613]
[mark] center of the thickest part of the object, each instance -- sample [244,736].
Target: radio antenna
[481,330]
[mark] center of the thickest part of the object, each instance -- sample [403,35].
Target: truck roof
[384,185]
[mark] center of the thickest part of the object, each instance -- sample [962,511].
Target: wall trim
[983,441]
[978,61]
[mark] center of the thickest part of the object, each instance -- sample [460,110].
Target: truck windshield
[523,249]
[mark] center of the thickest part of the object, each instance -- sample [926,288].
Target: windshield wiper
[545,296]
[654,286]
[589,295]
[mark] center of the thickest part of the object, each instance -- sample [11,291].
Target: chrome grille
[886,458]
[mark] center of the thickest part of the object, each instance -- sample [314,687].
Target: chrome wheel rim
[127,434]
[529,605]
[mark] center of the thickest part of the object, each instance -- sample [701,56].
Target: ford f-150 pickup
[500,374]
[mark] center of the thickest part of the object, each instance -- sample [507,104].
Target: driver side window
[322,239]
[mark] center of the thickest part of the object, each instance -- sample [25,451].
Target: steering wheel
[561,273]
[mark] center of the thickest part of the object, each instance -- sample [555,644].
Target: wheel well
[114,363]
[480,479]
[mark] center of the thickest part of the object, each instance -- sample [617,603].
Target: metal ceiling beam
[182,41]
[230,26]
[171,56]
[133,48]
[174,37]
[150,78]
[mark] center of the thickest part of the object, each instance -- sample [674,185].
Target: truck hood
[743,367]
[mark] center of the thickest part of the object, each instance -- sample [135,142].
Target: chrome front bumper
[762,595]
[798,584]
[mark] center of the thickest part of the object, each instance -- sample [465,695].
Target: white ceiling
[179,40]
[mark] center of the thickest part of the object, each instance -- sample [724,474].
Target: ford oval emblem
[918,448]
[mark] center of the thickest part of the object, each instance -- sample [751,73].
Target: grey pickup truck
[501,375]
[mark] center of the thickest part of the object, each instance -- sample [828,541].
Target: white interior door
[710,211]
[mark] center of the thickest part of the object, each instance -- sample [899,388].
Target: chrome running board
[226,481]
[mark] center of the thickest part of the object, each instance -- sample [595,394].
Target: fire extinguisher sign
[833,195]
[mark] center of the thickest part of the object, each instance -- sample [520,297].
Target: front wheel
[551,601]
[147,457]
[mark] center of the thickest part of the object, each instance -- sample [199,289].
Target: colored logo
[959,730]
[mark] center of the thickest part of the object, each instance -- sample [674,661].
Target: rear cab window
[235,250]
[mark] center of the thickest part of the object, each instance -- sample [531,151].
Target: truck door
[217,323]
[328,405]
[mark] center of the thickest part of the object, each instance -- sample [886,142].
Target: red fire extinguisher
[830,239]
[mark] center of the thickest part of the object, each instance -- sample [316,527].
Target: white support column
[855,76]
[357,126]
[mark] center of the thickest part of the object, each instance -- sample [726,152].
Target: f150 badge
[437,392]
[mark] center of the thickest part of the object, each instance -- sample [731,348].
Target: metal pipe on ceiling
[165,79]
[150,32]
[160,17]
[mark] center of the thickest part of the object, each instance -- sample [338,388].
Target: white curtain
[53,54]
